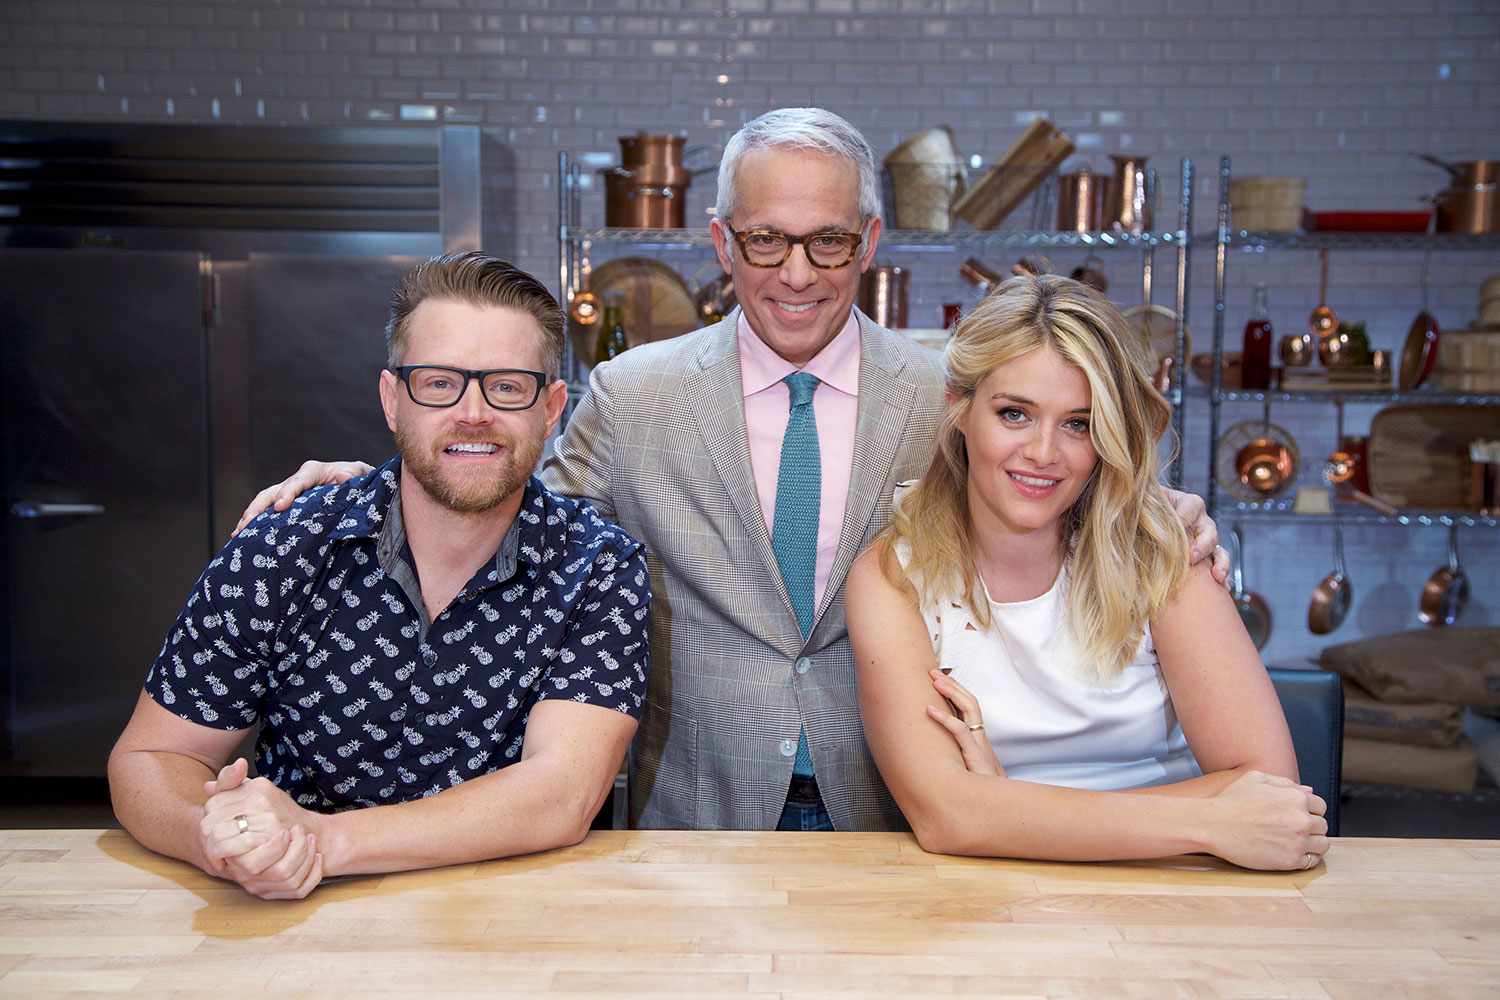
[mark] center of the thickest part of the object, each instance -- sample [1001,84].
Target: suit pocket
[854,793]
[663,772]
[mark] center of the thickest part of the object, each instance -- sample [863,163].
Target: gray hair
[800,128]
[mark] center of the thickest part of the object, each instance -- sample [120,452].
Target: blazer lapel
[717,395]
[885,401]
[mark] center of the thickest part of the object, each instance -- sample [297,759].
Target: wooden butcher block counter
[634,914]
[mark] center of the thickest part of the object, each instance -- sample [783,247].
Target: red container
[1369,222]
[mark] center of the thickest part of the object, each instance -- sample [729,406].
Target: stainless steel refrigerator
[185,314]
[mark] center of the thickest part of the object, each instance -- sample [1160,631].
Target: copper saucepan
[1446,591]
[1331,598]
[1254,611]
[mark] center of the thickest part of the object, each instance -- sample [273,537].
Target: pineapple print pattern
[298,627]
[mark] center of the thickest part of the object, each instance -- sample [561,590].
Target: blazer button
[788,748]
[803,665]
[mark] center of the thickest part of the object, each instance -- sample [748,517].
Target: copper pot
[1333,350]
[631,204]
[1264,465]
[656,159]
[1080,201]
[1297,350]
[1126,201]
[648,190]
[883,293]
[1471,202]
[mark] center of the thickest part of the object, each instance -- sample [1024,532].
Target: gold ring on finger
[1312,860]
[975,726]
[243,822]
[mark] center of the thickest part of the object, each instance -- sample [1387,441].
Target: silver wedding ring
[243,822]
[1312,860]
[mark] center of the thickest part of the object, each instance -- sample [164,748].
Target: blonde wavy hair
[1126,549]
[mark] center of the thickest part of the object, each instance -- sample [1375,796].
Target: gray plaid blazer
[659,444]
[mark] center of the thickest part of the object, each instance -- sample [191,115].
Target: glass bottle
[1255,355]
[612,340]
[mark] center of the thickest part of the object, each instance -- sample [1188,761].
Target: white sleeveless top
[1048,722]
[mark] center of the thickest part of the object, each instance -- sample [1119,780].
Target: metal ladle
[1322,321]
[1254,612]
[1332,598]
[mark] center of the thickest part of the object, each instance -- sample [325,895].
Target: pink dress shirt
[836,408]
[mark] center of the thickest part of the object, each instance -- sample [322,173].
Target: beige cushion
[1449,769]
[1458,666]
[1424,724]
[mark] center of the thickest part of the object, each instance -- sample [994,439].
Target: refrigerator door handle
[28,509]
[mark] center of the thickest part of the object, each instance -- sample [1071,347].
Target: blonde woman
[1041,672]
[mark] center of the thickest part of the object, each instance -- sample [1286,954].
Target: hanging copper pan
[1254,612]
[1332,598]
[1446,591]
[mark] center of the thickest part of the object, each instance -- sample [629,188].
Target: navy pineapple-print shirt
[310,621]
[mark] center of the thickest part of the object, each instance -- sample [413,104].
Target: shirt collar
[367,503]
[836,365]
[374,513]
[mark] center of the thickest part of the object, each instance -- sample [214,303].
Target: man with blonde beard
[447,659]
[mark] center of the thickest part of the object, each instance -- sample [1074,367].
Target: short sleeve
[606,651]
[213,666]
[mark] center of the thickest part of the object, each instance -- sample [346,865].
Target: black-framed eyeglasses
[440,386]
[828,248]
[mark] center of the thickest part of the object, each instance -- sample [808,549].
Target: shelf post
[1179,348]
[1216,380]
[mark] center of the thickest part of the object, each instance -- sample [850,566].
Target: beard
[474,493]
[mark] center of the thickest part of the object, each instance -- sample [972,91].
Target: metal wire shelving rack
[576,242]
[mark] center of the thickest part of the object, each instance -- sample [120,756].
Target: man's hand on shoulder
[254,834]
[312,473]
[1203,534]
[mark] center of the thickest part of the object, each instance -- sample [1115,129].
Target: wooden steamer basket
[1469,361]
[1267,204]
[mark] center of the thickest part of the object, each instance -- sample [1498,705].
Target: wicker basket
[1267,204]
[926,174]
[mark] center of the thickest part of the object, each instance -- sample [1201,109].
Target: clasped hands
[254,834]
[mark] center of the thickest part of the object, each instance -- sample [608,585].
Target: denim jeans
[804,808]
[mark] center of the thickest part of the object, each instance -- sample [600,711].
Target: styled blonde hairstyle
[1126,550]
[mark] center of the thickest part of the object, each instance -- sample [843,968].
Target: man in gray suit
[756,458]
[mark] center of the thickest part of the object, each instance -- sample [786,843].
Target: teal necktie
[794,532]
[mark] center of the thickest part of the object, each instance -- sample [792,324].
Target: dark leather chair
[1313,701]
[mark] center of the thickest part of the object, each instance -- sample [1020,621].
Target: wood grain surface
[789,915]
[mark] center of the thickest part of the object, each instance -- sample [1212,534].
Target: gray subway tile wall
[1341,92]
